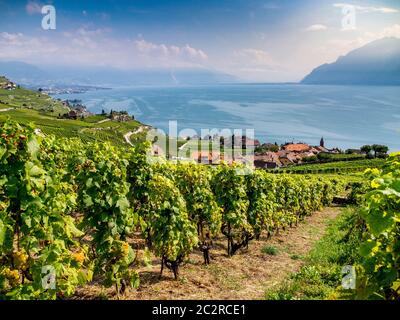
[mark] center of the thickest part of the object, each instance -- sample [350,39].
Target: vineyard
[73,211]
[87,129]
[334,167]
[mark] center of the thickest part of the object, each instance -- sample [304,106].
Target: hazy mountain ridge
[377,63]
[22,72]
[27,74]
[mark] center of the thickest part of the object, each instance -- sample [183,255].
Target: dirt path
[128,135]
[7,109]
[246,275]
[102,121]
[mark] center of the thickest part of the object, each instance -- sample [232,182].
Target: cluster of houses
[266,156]
[120,116]
[290,154]
[79,111]
[9,85]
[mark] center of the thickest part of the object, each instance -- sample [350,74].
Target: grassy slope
[24,98]
[321,274]
[3,80]
[29,106]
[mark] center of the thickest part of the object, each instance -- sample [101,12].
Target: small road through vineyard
[246,275]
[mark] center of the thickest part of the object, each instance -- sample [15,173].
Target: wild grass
[270,250]
[322,272]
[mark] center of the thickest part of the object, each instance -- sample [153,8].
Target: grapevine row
[73,209]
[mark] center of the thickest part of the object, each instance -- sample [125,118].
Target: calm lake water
[346,116]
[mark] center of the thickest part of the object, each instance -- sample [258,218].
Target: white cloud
[254,57]
[334,48]
[10,36]
[367,9]
[392,31]
[33,7]
[252,64]
[96,32]
[345,46]
[317,27]
[95,47]
[17,46]
[170,51]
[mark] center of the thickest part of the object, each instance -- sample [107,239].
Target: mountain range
[30,75]
[376,63]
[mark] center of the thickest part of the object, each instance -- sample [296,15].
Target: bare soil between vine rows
[245,276]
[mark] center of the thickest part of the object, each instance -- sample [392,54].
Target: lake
[346,116]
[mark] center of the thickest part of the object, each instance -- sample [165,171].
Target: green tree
[382,150]
[275,148]
[324,156]
[366,149]
[379,149]
[310,159]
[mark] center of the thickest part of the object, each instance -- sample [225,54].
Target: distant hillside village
[79,111]
[7,85]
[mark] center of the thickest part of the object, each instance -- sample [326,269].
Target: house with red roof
[206,157]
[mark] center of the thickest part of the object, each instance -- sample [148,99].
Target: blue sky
[251,39]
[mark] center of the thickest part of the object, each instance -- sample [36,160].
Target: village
[242,149]
[7,85]
[290,154]
[78,111]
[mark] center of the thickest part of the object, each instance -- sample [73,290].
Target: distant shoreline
[65,89]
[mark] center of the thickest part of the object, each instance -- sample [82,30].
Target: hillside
[3,80]
[23,98]
[22,72]
[377,63]
[26,106]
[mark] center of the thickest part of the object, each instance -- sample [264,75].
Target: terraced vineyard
[24,98]
[26,106]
